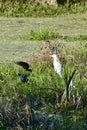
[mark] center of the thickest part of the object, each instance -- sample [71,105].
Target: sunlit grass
[41,35]
[45,34]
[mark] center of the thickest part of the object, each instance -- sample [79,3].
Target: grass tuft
[41,35]
[45,34]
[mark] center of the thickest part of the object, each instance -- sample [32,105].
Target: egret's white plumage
[57,65]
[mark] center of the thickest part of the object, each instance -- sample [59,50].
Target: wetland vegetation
[45,101]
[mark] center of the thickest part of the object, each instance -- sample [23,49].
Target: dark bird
[23,77]
[24,65]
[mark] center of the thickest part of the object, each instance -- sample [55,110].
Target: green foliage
[45,34]
[41,35]
[19,8]
[44,85]
[68,79]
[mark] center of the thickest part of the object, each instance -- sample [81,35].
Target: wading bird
[57,65]
[25,65]
[23,77]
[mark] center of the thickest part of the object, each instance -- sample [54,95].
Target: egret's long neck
[55,59]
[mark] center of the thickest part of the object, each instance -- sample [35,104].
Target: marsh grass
[79,37]
[18,8]
[41,35]
[45,35]
[44,85]
[68,79]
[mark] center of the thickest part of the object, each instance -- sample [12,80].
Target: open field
[13,48]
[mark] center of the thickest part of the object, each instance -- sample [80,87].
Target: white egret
[57,65]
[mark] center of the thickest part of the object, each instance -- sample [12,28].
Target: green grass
[79,37]
[17,9]
[70,27]
[44,85]
[40,35]
[46,35]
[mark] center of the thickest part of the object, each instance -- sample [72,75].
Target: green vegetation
[21,9]
[78,37]
[40,35]
[32,40]
[45,34]
[45,87]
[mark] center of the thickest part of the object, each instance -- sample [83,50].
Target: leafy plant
[68,78]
